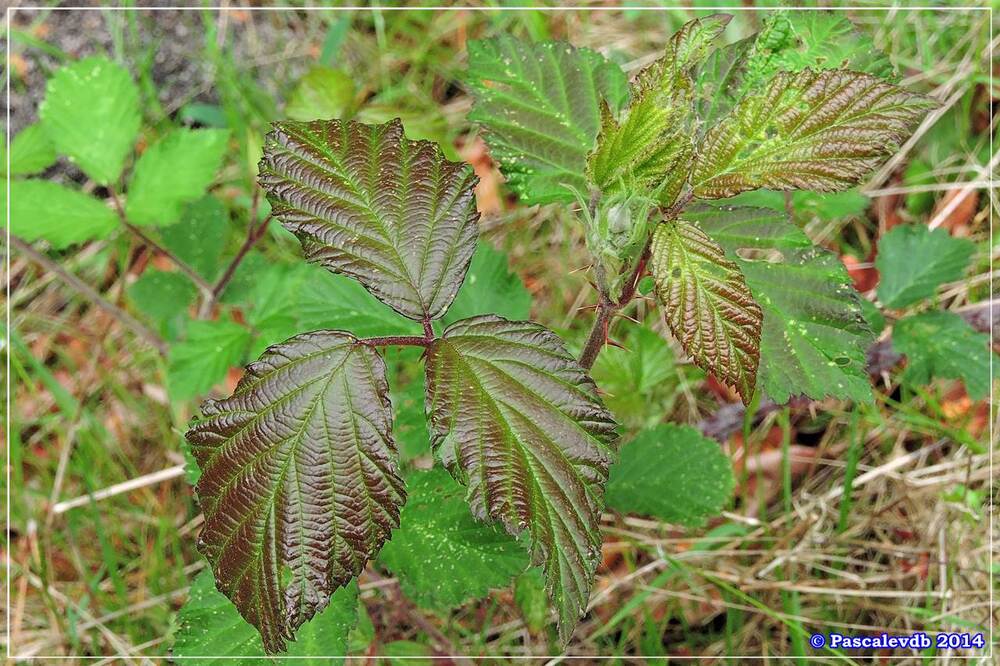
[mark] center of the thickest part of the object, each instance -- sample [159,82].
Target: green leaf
[529,595]
[272,308]
[212,633]
[368,203]
[644,374]
[649,148]
[942,344]
[201,360]
[914,261]
[815,336]
[793,41]
[515,417]
[91,115]
[707,303]
[200,237]
[164,297]
[327,300]
[31,152]
[811,130]
[43,210]
[174,171]
[321,94]
[673,473]
[539,104]
[790,41]
[441,554]
[490,288]
[410,426]
[299,481]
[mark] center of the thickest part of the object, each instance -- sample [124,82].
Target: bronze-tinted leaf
[368,203]
[299,480]
[708,304]
[517,419]
[808,130]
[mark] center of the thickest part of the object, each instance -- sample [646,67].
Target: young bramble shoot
[301,481]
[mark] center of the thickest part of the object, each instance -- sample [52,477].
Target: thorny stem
[76,283]
[607,308]
[404,340]
[254,233]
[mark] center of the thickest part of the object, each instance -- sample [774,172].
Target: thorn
[582,268]
[615,343]
[582,308]
[630,318]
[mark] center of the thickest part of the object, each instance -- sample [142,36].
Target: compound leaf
[815,336]
[371,204]
[172,172]
[809,130]
[441,554]
[299,481]
[540,106]
[91,115]
[43,210]
[942,344]
[673,473]
[211,631]
[516,418]
[914,261]
[201,360]
[708,304]
[650,147]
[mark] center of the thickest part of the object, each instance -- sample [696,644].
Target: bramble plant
[302,473]
[300,483]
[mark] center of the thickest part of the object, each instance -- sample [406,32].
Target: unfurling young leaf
[811,130]
[942,344]
[516,418]
[441,554]
[649,149]
[172,172]
[299,481]
[815,336]
[369,203]
[708,305]
[539,104]
[91,114]
[211,632]
[914,261]
[673,473]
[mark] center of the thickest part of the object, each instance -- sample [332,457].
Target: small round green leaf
[673,473]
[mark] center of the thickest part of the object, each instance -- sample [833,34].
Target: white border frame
[992,192]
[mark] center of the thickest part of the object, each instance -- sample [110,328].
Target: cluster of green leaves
[913,262]
[746,293]
[98,133]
